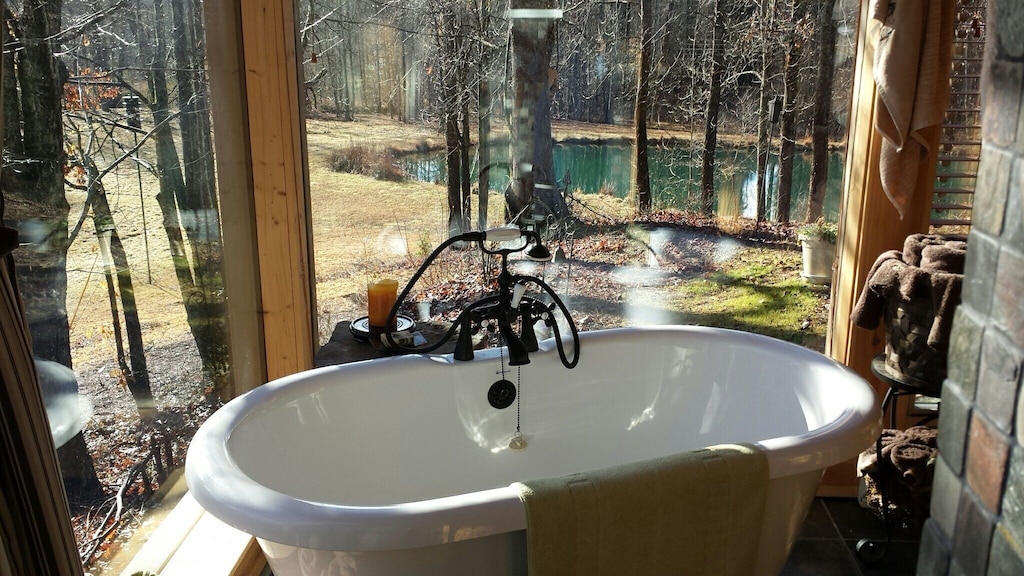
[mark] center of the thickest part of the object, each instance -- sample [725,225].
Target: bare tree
[825,31]
[794,37]
[85,133]
[449,24]
[486,36]
[641,168]
[711,118]
[767,47]
[533,181]
[186,197]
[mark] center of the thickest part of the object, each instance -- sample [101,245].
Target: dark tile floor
[827,543]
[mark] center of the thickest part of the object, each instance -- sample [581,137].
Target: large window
[427,118]
[108,175]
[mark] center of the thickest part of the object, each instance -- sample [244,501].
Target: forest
[764,68]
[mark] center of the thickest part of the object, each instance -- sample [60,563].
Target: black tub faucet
[508,305]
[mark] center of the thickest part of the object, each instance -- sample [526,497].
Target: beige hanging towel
[911,71]
[698,513]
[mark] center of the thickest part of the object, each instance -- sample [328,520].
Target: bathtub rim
[229,494]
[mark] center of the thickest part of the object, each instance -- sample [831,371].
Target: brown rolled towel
[911,452]
[914,245]
[881,281]
[930,266]
[948,257]
[907,453]
[946,289]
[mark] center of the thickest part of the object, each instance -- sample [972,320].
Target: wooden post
[280,183]
[246,345]
[869,225]
[256,99]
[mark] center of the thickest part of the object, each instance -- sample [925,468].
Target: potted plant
[818,242]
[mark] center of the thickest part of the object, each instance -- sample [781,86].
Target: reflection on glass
[108,176]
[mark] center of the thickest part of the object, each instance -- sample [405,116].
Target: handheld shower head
[539,253]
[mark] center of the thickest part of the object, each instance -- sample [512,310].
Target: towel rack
[869,550]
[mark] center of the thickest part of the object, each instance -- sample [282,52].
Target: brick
[1013,225]
[1007,305]
[933,556]
[964,358]
[953,426]
[1001,101]
[1007,24]
[1004,558]
[1019,427]
[1001,362]
[988,453]
[992,187]
[956,570]
[979,281]
[1013,497]
[974,527]
[946,489]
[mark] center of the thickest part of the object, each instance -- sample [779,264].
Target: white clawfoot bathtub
[401,466]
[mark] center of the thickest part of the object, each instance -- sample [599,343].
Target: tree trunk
[137,376]
[201,294]
[787,131]
[198,203]
[641,168]
[826,34]
[483,147]
[453,163]
[12,109]
[33,179]
[483,128]
[464,175]
[764,119]
[707,179]
[405,113]
[345,47]
[449,44]
[533,165]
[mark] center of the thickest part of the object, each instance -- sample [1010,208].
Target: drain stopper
[502,394]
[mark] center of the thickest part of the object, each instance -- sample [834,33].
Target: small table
[344,347]
[901,385]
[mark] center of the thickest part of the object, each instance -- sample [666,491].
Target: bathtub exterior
[400,466]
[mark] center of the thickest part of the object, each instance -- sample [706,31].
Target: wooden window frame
[264,184]
[869,225]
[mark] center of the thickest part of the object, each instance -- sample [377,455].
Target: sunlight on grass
[757,292]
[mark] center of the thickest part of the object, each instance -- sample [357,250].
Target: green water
[675,176]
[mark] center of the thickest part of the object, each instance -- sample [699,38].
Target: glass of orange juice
[380,297]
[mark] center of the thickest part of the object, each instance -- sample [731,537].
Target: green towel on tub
[697,513]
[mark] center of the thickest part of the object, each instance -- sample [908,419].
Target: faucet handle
[503,233]
[517,294]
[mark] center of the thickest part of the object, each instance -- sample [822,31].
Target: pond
[675,176]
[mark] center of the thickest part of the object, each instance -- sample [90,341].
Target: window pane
[411,107]
[108,175]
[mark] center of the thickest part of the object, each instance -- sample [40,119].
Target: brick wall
[977,512]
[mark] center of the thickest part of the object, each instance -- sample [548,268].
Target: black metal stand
[899,385]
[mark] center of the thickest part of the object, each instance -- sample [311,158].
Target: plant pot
[818,256]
